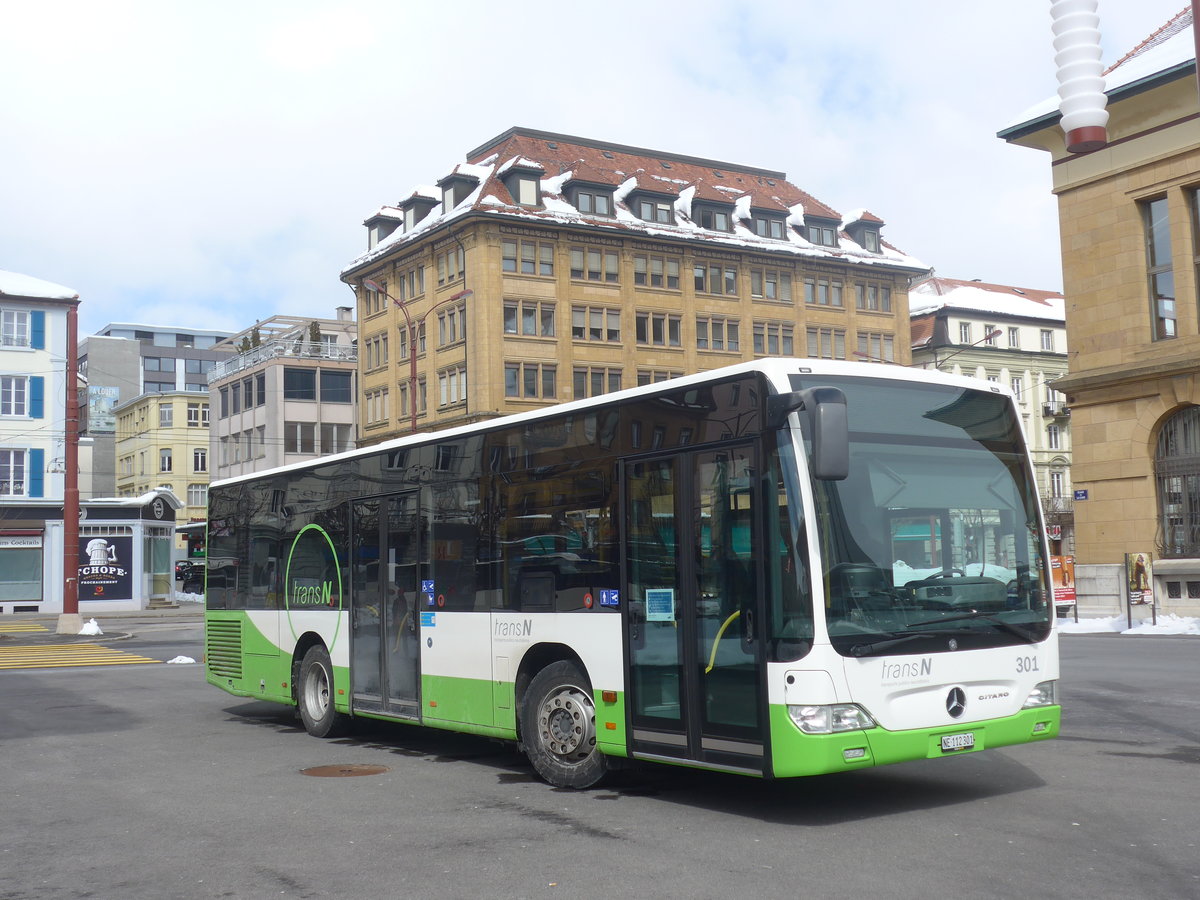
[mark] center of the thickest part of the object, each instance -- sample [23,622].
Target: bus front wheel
[314,696]
[558,727]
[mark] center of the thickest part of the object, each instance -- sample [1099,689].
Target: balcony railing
[1055,409]
[284,348]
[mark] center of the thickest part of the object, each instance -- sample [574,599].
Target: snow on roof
[14,284]
[608,164]
[937,293]
[1170,47]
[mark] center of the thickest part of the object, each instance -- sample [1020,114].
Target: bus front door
[385,615]
[692,620]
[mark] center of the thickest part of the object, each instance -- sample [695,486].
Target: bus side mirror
[828,427]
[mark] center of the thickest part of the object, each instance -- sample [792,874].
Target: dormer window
[456,189]
[714,218]
[768,227]
[526,193]
[864,231]
[822,232]
[378,229]
[592,201]
[415,209]
[523,179]
[653,209]
[871,240]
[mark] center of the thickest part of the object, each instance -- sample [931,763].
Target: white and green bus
[781,568]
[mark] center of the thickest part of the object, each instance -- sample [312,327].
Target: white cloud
[196,164]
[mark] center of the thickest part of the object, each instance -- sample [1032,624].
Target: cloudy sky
[208,164]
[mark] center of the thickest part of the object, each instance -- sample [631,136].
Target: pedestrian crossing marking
[20,627]
[53,656]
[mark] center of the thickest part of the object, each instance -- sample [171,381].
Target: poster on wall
[101,399]
[105,568]
[1137,579]
[1062,574]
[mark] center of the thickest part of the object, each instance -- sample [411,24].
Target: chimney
[345,314]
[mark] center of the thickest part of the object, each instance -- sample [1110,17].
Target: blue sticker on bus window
[427,586]
[610,597]
[427,620]
[429,599]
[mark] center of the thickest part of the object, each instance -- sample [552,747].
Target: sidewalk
[24,629]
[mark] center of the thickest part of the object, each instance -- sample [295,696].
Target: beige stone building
[547,268]
[162,442]
[1130,224]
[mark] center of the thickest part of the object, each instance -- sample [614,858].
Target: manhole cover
[343,771]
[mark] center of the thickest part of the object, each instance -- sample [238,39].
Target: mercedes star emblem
[956,702]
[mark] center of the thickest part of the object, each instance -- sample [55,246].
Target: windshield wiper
[975,614]
[886,643]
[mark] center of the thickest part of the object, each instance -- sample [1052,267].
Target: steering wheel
[947,573]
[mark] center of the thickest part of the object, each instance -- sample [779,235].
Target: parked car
[193,579]
[181,567]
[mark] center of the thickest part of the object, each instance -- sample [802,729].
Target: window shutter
[37,395]
[37,329]
[36,472]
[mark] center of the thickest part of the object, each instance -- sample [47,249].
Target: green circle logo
[312,581]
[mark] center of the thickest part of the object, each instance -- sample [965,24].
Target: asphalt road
[142,781]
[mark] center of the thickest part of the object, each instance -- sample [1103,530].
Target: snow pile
[181,597]
[1168,623]
[91,627]
[182,660]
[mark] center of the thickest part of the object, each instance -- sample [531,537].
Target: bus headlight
[1041,695]
[830,719]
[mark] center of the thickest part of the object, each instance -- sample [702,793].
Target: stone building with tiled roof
[546,268]
[1129,216]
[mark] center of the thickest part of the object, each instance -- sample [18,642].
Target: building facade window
[14,328]
[530,380]
[299,384]
[990,332]
[717,333]
[197,494]
[1047,339]
[199,460]
[822,235]
[452,325]
[376,406]
[12,473]
[1177,474]
[876,346]
[336,386]
[1161,276]
[873,297]
[768,227]
[335,437]
[715,219]
[823,291]
[1014,338]
[595,264]
[653,210]
[715,278]
[654,376]
[526,257]
[403,390]
[375,356]
[772,284]
[773,339]
[452,386]
[1053,437]
[825,342]
[166,415]
[529,318]
[656,271]
[164,459]
[1058,485]
[594,202]
[299,437]
[592,381]
[14,395]
[450,265]
[1018,388]
[595,323]
[659,329]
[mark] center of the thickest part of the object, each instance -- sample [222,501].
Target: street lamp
[375,288]
[991,335]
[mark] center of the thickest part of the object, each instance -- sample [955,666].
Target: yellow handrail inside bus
[712,657]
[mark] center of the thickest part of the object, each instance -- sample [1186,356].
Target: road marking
[20,627]
[53,656]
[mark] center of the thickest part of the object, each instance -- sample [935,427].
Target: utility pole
[69,621]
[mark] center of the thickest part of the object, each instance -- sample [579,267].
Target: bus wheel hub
[567,723]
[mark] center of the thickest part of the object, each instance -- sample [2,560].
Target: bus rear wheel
[558,727]
[314,696]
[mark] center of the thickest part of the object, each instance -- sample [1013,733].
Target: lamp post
[991,335]
[375,288]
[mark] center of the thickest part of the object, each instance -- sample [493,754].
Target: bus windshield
[932,543]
